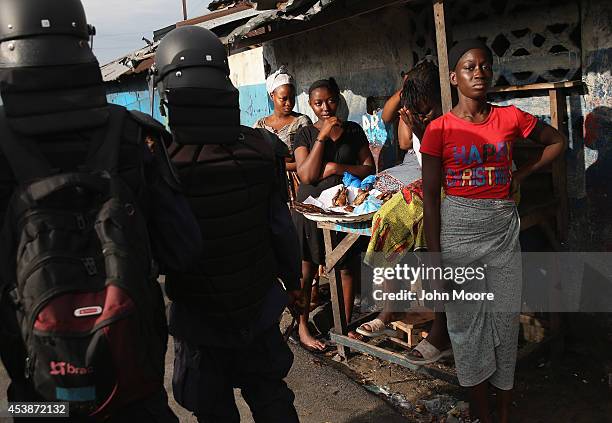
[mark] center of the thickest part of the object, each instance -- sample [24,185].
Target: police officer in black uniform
[53,94]
[225,310]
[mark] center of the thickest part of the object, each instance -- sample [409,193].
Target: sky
[121,24]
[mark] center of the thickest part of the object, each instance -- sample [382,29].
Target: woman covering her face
[323,152]
[284,122]
[469,152]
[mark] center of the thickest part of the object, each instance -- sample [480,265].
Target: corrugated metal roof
[223,20]
[231,9]
[130,63]
[112,71]
[296,10]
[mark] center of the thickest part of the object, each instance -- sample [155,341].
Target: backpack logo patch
[88,311]
[61,368]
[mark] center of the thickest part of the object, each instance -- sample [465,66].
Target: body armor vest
[228,187]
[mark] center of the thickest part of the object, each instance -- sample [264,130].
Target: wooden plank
[337,295]
[392,357]
[538,86]
[559,172]
[340,250]
[442,42]
[326,225]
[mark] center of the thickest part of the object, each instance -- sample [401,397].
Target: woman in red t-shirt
[469,152]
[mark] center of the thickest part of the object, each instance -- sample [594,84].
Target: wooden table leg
[337,295]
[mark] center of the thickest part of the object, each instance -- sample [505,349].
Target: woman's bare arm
[404,136]
[432,181]
[392,105]
[554,143]
[310,164]
[362,170]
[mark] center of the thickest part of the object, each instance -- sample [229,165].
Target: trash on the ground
[400,401]
[440,404]
[378,390]
[396,399]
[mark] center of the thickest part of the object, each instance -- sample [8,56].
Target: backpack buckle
[14,296]
[28,367]
[90,266]
[80,221]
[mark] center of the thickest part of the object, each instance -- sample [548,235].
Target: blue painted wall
[133,94]
[254,103]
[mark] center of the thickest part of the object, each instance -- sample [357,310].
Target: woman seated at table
[284,122]
[419,105]
[416,104]
[323,152]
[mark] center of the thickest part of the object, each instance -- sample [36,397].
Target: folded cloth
[397,227]
[368,182]
[397,177]
[371,204]
[350,180]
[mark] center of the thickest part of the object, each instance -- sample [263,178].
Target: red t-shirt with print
[477,157]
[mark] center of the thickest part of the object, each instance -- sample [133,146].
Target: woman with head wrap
[469,151]
[284,122]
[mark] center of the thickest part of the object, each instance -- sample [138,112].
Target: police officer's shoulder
[267,140]
[151,126]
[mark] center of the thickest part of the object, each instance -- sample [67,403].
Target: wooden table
[339,333]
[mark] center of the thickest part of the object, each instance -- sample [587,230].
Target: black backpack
[76,255]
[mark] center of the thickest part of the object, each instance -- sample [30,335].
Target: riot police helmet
[44,33]
[191,57]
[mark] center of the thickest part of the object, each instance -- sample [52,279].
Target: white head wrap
[278,78]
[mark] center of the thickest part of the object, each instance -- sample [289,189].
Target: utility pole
[184,10]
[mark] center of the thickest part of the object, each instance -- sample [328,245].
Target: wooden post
[184,10]
[442,42]
[557,117]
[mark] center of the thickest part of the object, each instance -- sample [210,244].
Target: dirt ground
[573,386]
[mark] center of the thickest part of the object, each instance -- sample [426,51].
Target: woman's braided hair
[422,85]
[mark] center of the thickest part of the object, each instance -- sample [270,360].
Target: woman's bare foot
[309,342]
[354,335]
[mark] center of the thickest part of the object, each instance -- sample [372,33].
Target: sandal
[378,328]
[429,353]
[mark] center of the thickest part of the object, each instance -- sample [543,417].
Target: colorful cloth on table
[397,227]
[397,177]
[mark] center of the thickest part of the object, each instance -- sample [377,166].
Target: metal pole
[184,10]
